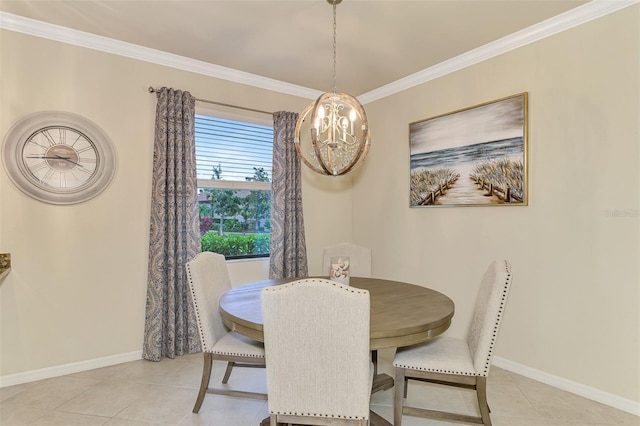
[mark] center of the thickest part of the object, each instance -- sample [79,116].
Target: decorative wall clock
[59,157]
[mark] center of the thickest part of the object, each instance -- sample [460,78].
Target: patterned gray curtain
[170,324]
[288,256]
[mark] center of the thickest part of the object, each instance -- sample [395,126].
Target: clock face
[59,157]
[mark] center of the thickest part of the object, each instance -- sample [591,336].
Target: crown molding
[66,35]
[572,18]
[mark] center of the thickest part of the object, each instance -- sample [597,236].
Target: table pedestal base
[381,382]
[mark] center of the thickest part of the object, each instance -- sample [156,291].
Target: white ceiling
[378,42]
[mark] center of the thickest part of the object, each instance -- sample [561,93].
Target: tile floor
[143,393]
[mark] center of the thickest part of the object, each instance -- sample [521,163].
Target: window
[234,161]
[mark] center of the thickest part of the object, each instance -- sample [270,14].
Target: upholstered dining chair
[462,363]
[316,337]
[208,279]
[360,258]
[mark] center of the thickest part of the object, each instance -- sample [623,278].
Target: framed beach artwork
[475,156]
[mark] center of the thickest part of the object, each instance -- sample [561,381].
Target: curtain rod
[154,90]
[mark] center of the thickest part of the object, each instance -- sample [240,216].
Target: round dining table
[402,314]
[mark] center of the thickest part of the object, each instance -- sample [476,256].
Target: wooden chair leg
[406,386]
[374,359]
[227,372]
[399,393]
[481,391]
[204,384]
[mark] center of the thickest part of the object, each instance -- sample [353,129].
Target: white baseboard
[606,398]
[62,370]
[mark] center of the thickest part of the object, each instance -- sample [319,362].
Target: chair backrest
[208,279]
[316,338]
[359,257]
[488,313]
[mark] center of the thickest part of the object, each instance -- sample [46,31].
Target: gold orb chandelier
[332,133]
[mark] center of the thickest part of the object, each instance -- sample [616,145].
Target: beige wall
[77,288]
[574,306]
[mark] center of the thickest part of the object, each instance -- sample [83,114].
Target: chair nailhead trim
[318,280]
[236,354]
[199,321]
[496,327]
[195,305]
[437,370]
[332,416]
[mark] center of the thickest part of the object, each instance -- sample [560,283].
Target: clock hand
[70,160]
[75,163]
[46,157]
[60,157]
[56,157]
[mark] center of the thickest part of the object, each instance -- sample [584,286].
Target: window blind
[237,147]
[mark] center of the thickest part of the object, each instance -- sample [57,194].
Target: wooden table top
[402,314]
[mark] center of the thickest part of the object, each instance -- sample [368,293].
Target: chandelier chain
[334,46]
[332,134]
